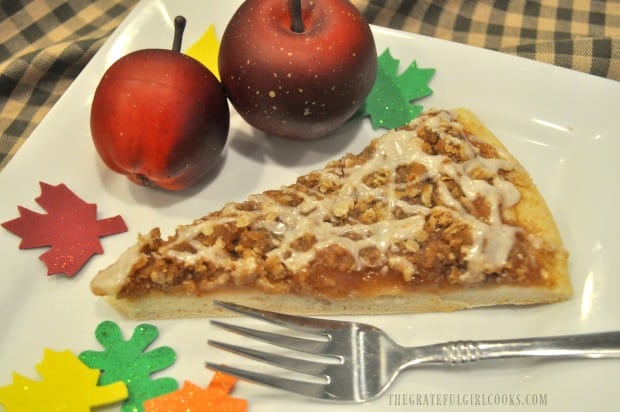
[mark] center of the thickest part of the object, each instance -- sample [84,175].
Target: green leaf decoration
[389,103]
[127,361]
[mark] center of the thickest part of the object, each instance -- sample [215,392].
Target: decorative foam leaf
[67,385]
[127,362]
[389,102]
[192,398]
[206,50]
[70,227]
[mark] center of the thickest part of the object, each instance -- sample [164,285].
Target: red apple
[297,70]
[160,117]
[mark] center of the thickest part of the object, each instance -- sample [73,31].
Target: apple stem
[179,27]
[297,24]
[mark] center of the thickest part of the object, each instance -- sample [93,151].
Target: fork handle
[593,345]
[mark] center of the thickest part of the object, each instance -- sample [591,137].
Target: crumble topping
[421,206]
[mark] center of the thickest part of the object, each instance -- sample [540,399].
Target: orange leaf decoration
[192,398]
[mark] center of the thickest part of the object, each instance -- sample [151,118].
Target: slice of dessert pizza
[435,216]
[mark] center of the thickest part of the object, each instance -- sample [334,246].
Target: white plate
[562,125]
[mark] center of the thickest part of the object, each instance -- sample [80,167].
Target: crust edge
[161,306]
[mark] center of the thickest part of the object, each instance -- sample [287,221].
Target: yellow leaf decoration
[67,385]
[206,50]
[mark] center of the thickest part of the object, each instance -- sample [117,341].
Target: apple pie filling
[425,206]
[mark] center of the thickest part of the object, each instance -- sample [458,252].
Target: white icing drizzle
[492,238]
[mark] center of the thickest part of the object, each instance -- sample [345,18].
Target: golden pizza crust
[177,306]
[395,278]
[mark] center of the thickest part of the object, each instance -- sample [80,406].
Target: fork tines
[301,387]
[314,346]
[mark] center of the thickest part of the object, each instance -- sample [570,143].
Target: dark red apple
[160,117]
[297,69]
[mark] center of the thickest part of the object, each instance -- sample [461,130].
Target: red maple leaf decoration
[70,227]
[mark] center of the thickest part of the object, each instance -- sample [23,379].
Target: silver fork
[361,361]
